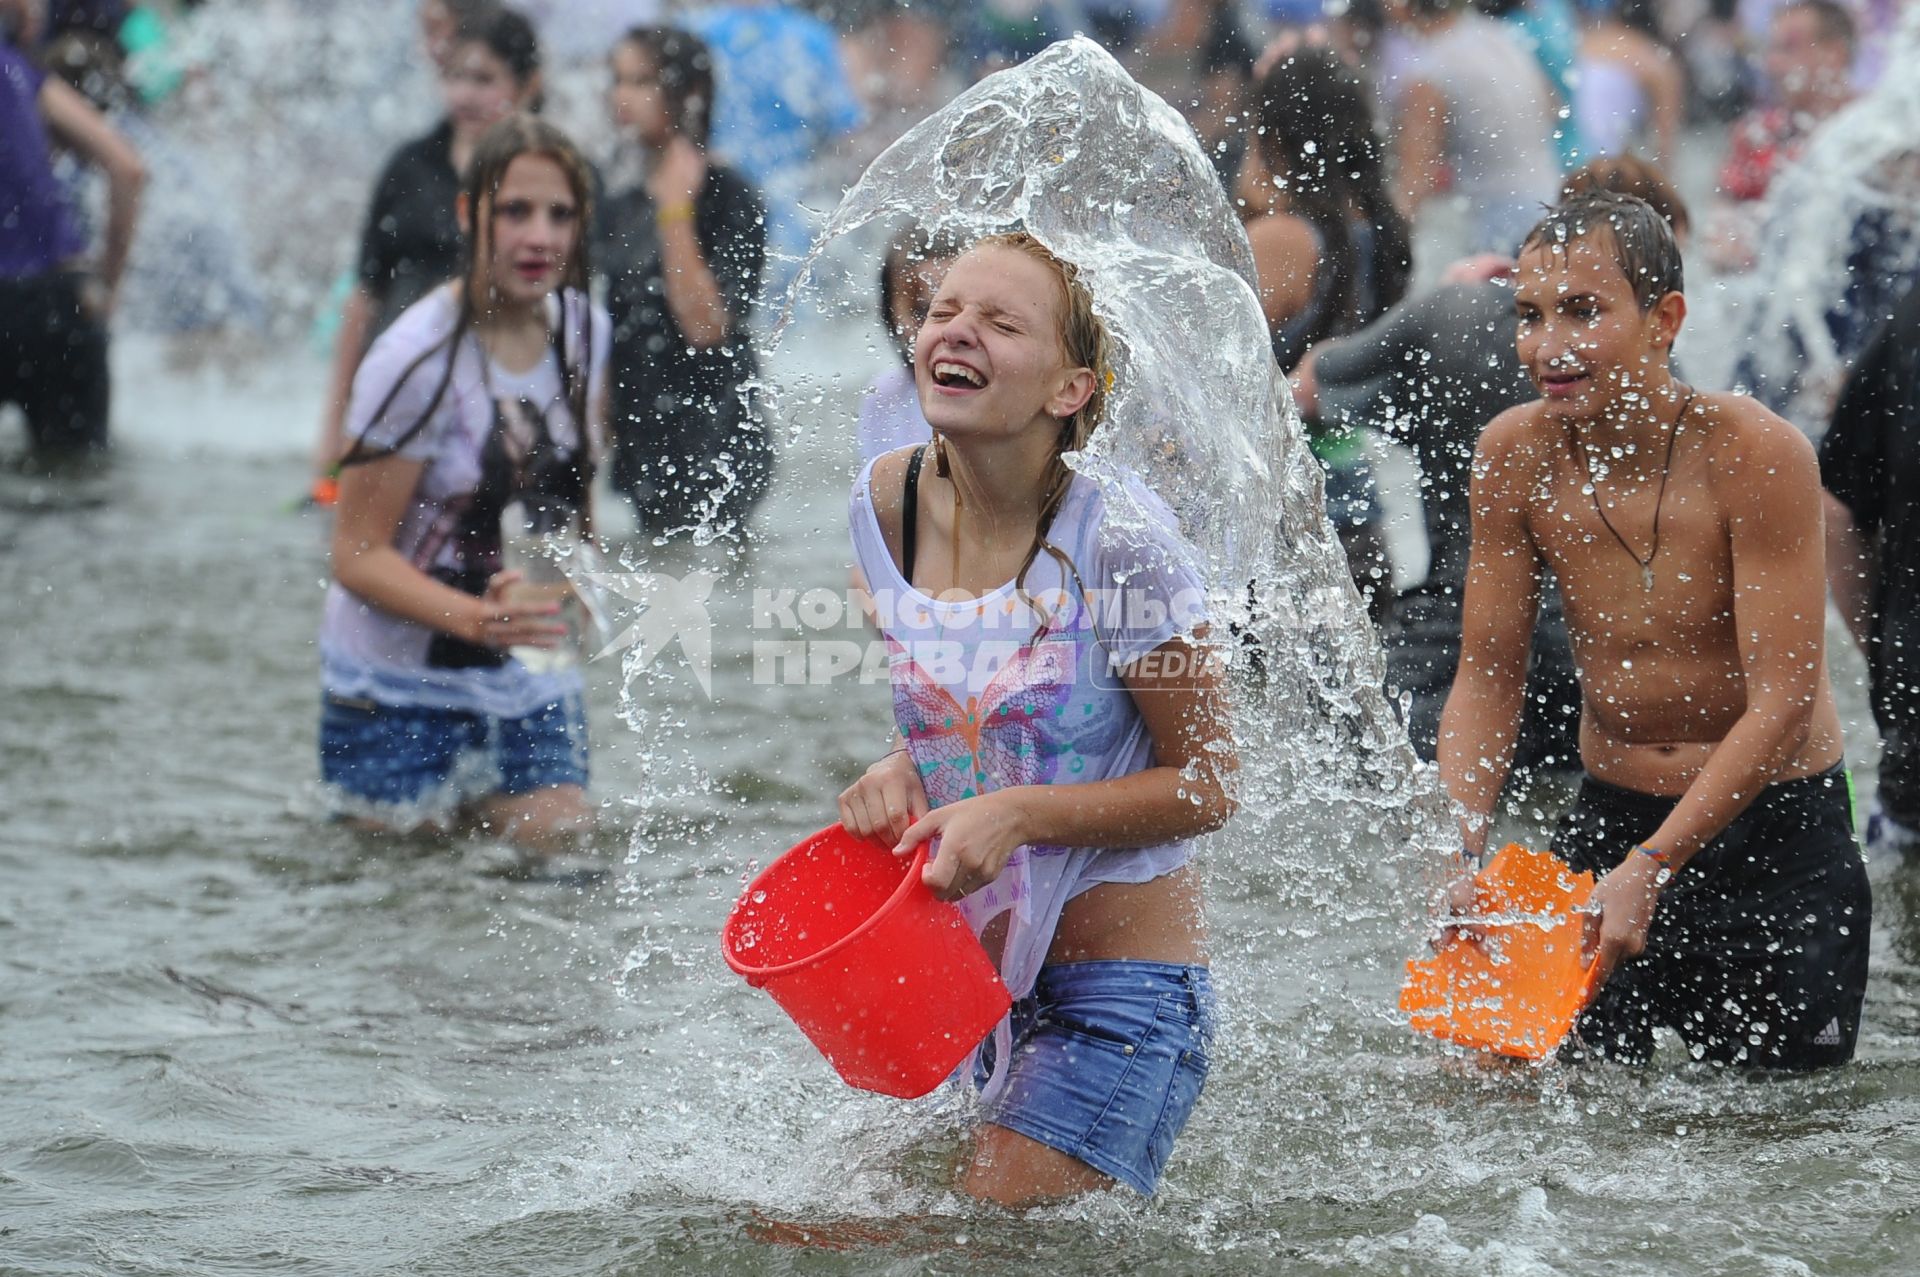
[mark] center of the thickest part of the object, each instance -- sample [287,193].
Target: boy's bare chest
[1629,582]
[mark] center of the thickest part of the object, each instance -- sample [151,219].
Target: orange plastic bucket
[886,979]
[1518,990]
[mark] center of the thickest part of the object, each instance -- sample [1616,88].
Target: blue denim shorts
[408,756]
[1108,1059]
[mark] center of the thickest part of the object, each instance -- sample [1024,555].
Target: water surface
[237,1039]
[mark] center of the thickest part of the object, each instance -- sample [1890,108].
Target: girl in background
[1333,253]
[1474,118]
[910,274]
[489,68]
[682,252]
[1548,31]
[1093,744]
[1632,91]
[489,393]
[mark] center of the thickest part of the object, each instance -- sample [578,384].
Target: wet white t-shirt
[367,653]
[995,692]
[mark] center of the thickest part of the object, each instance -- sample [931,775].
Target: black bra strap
[910,514]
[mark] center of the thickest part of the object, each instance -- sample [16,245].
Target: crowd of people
[1626,573]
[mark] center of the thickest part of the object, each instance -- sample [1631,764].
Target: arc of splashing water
[1846,172]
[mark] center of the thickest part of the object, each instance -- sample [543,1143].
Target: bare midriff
[1668,767]
[1654,711]
[1158,921]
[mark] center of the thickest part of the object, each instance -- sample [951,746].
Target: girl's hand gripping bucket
[887,980]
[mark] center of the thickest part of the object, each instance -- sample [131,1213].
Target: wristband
[681,212]
[1659,858]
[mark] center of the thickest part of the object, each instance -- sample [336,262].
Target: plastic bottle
[536,541]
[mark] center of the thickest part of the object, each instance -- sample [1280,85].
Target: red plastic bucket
[887,980]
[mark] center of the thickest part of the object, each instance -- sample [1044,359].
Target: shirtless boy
[1684,528]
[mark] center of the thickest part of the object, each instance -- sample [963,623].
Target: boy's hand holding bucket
[1518,986]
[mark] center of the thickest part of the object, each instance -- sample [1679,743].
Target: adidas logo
[1829,1036]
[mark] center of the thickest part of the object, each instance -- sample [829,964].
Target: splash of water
[1112,179]
[1847,208]
[278,131]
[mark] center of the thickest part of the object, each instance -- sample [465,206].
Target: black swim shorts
[1758,951]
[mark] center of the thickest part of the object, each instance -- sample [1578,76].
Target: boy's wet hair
[1642,240]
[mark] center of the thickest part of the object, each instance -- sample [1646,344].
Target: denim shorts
[408,756]
[1108,1059]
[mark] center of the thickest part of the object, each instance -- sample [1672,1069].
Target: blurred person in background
[1633,94]
[1221,101]
[1358,29]
[900,61]
[784,100]
[1875,22]
[54,304]
[1837,245]
[575,36]
[1332,252]
[991,35]
[1474,117]
[490,68]
[1871,19]
[439,19]
[1809,76]
[1706,36]
[910,273]
[1548,30]
[1870,468]
[189,274]
[682,252]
